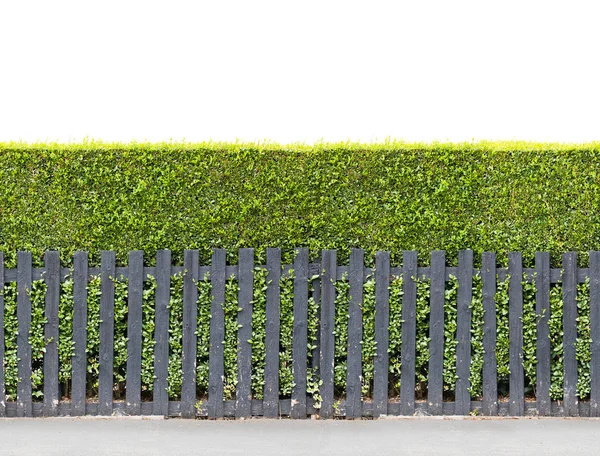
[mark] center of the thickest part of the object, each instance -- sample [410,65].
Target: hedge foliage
[392,196]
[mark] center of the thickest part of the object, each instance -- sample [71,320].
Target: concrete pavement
[418,436]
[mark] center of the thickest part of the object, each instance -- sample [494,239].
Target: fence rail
[322,276]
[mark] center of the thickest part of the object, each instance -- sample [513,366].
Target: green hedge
[392,196]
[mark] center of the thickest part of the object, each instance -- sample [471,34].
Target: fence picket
[409,333]
[217,334]
[271,394]
[243,394]
[134,332]
[436,333]
[329,266]
[2,376]
[354,363]
[52,278]
[79,359]
[299,348]
[595,333]
[382,323]
[107,323]
[24,273]
[571,403]
[189,340]
[463,332]
[490,366]
[160,400]
[542,309]
[516,404]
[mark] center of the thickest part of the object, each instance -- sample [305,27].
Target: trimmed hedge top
[392,196]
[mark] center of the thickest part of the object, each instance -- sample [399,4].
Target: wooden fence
[323,276]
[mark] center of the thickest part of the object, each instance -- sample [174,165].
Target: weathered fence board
[409,333]
[435,382]
[463,332]
[107,326]
[271,400]
[189,340]
[570,333]
[243,394]
[79,360]
[51,393]
[161,331]
[328,293]
[516,404]
[24,399]
[217,335]
[542,309]
[354,363]
[382,323]
[299,348]
[490,366]
[133,387]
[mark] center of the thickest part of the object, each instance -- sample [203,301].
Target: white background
[304,70]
